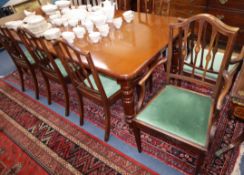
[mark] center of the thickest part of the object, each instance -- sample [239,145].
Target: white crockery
[54,16]
[89,26]
[117,22]
[128,16]
[14,24]
[28,13]
[99,19]
[57,21]
[63,3]
[68,36]
[104,30]
[49,9]
[52,33]
[73,22]
[94,37]
[79,32]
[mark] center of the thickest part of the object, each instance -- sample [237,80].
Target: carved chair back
[160,7]
[198,50]
[75,59]
[38,49]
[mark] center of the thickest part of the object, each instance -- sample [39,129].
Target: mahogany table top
[124,53]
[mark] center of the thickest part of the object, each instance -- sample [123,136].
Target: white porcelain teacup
[103,29]
[68,36]
[57,21]
[79,32]
[89,26]
[99,19]
[94,37]
[117,22]
[73,22]
[128,16]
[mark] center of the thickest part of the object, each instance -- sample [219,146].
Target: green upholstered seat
[216,65]
[179,112]
[29,57]
[110,86]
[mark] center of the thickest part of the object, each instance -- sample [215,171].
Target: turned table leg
[128,100]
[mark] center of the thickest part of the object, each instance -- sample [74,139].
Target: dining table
[127,51]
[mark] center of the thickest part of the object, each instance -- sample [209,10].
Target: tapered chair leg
[107,123]
[81,107]
[21,75]
[137,137]
[66,95]
[200,167]
[48,89]
[35,83]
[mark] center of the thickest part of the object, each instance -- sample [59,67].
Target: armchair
[179,115]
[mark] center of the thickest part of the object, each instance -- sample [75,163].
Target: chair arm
[228,79]
[143,80]
[239,58]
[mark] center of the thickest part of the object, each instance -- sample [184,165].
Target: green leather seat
[216,65]
[179,112]
[110,86]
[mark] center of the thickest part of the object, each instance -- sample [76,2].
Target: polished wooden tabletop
[126,51]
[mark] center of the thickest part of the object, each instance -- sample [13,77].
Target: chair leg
[199,168]
[48,89]
[81,107]
[21,75]
[107,123]
[137,137]
[66,95]
[35,83]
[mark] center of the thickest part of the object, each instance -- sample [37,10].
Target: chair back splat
[200,39]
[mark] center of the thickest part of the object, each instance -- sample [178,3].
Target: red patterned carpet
[13,160]
[183,160]
[54,143]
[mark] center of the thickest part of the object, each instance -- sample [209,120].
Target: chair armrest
[239,58]
[228,80]
[143,80]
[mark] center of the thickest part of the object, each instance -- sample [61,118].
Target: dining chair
[158,7]
[88,82]
[51,68]
[21,57]
[182,116]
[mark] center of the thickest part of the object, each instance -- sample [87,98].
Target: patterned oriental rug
[43,140]
[182,160]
